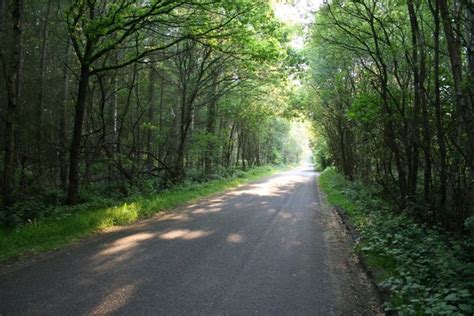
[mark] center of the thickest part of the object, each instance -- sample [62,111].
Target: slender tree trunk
[230,147]
[239,148]
[243,150]
[179,165]
[186,121]
[470,83]
[419,73]
[415,137]
[86,143]
[113,116]
[13,95]
[110,126]
[186,128]
[438,112]
[40,98]
[160,120]
[470,50]
[2,13]
[463,106]
[211,127]
[137,142]
[388,125]
[62,120]
[151,116]
[75,149]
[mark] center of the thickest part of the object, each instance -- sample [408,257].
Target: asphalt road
[268,248]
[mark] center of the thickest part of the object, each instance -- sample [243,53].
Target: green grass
[84,220]
[426,271]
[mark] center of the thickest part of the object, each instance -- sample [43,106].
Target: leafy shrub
[425,270]
[23,211]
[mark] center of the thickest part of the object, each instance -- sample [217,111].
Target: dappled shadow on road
[173,260]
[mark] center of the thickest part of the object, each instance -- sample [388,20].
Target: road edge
[347,261]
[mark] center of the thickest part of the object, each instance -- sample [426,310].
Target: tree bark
[211,126]
[160,120]
[186,120]
[62,120]
[470,50]
[438,111]
[463,106]
[230,147]
[75,149]
[2,13]
[13,95]
[40,98]
[151,116]
[419,74]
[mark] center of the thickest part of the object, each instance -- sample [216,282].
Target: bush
[425,270]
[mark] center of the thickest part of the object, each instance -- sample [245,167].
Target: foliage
[128,96]
[387,90]
[425,270]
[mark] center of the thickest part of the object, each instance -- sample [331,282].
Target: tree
[142,95]
[98,28]
[12,70]
[373,96]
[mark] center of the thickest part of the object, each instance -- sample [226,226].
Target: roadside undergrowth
[425,271]
[71,223]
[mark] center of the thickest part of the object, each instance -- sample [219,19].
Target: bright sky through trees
[298,14]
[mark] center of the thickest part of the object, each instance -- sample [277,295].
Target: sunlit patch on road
[235,238]
[126,243]
[184,234]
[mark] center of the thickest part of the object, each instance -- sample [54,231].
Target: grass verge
[80,221]
[424,270]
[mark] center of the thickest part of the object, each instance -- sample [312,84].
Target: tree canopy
[390,91]
[106,95]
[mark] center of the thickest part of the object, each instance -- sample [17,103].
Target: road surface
[269,248]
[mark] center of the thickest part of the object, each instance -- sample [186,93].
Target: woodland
[106,103]
[113,97]
[391,93]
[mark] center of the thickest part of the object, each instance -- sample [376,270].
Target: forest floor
[419,269]
[268,247]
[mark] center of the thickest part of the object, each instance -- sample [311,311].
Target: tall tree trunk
[186,120]
[211,126]
[388,124]
[2,13]
[419,73]
[439,115]
[13,95]
[62,120]
[187,124]
[40,98]
[113,117]
[230,147]
[137,139]
[87,146]
[160,120]
[151,116]
[463,106]
[239,148]
[75,150]
[470,50]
